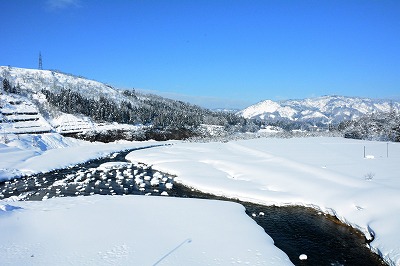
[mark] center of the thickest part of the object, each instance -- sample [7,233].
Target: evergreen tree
[6,86]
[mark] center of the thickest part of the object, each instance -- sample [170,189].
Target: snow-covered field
[330,174]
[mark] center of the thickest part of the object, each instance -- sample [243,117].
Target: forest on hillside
[378,126]
[164,115]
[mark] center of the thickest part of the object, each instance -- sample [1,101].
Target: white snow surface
[69,123]
[270,129]
[132,230]
[328,174]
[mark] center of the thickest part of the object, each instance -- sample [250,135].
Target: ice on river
[132,230]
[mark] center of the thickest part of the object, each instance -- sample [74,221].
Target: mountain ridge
[324,109]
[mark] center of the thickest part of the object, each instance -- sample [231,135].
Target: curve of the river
[295,230]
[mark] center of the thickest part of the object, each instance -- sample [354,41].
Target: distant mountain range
[325,109]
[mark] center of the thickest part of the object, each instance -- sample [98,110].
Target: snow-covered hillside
[73,105]
[19,115]
[324,109]
[26,109]
[34,80]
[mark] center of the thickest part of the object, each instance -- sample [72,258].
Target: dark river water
[295,230]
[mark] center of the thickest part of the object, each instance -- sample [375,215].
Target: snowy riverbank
[330,174]
[137,230]
[31,154]
[104,230]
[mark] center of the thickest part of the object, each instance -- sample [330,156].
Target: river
[295,230]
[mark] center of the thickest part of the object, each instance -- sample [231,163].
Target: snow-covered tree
[7,86]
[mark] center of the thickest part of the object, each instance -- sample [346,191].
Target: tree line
[146,110]
[378,126]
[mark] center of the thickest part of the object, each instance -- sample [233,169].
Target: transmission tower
[40,61]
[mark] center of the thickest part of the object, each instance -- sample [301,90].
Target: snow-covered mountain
[325,109]
[75,105]
[25,109]
[35,80]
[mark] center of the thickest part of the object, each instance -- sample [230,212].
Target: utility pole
[387,150]
[40,61]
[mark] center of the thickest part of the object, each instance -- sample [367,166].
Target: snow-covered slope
[321,109]
[20,111]
[34,80]
[19,115]
[27,110]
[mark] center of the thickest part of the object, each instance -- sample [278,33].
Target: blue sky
[214,53]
